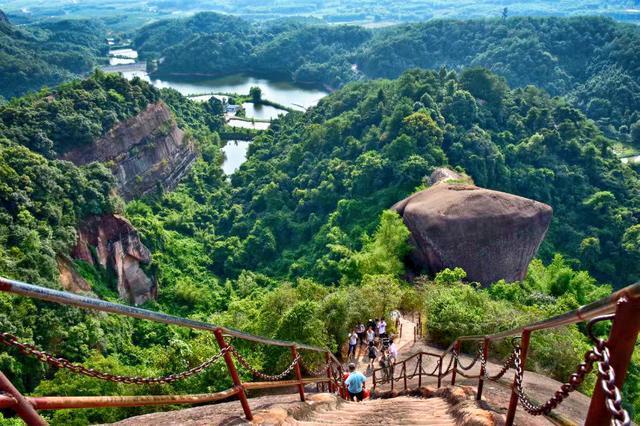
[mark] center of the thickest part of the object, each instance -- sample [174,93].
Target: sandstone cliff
[146,152]
[111,242]
[491,235]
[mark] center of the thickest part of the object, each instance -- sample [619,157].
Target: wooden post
[456,348]
[374,380]
[485,353]
[327,359]
[621,343]
[401,330]
[404,370]
[234,375]
[294,354]
[23,408]
[393,370]
[513,403]
[440,371]
[420,370]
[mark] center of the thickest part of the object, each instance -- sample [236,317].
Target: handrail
[623,306]
[600,307]
[65,298]
[26,406]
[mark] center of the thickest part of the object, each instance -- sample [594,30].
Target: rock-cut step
[403,410]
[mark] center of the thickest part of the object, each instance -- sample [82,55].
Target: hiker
[361,333]
[373,354]
[382,328]
[377,329]
[371,336]
[353,342]
[393,351]
[355,383]
[371,324]
[385,363]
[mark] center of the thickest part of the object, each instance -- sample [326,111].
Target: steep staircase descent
[402,410]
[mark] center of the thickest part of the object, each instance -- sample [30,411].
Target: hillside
[589,60]
[302,229]
[47,54]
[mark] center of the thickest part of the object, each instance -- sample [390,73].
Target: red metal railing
[623,307]
[27,407]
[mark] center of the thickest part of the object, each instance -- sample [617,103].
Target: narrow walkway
[397,411]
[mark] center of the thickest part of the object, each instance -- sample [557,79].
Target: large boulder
[491,235]
[111,242]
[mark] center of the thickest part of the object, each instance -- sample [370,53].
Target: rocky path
[397,411]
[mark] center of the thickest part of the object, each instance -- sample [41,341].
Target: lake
[284,93]
[235,153]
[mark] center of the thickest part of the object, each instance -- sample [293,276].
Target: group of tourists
[379,345]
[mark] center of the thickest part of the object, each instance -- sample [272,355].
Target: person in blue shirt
[355,383]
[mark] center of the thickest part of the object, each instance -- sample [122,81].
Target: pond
[122,56]
[235,153]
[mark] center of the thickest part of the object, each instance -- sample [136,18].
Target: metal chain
[503,370]
[470,366]
[260,374]
[320,371]
[598,354]
[59,362]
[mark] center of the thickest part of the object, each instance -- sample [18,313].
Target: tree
[256,94]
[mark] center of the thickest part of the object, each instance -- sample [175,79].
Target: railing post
[420,370]
[242,396]
[621,343]
[440,371]
[456,348]
[513,403]
[393,371]
[404,370]
[327,359]
[483,370]
[401,330]
[294,355]
[374,380]
[23,408]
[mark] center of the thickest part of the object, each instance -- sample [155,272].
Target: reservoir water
[290,95]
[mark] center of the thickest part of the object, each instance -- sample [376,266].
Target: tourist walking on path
[382,328]
[371,336]
[373,354]
[361,333]
[393,352]
[385,363]
[355,383]
[353,342]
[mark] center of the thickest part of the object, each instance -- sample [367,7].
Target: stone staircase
[403,410]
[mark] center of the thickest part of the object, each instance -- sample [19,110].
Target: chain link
[59,362]
[599,355]
[503,370]
[320,371]
[260,374]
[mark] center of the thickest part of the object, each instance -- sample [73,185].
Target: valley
[292,177]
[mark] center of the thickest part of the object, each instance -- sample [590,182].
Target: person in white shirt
[382,328]
[353,342]
[371,336]
[393,352]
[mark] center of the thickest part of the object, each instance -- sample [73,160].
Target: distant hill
[47,54]
[591,60]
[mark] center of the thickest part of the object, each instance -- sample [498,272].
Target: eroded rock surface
[492,235]
[146,152]
[111,242]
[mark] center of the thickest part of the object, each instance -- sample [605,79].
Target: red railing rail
[27,407]
[622,307]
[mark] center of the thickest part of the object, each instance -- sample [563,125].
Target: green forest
[591,61]
[531,106]
[47,54]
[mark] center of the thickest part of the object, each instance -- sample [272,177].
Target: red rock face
[491,235]
[145,152]
[69,278]
[117,247]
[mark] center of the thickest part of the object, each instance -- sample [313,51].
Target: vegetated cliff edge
[145,153]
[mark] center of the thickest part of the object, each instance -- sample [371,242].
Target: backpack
[372,352]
